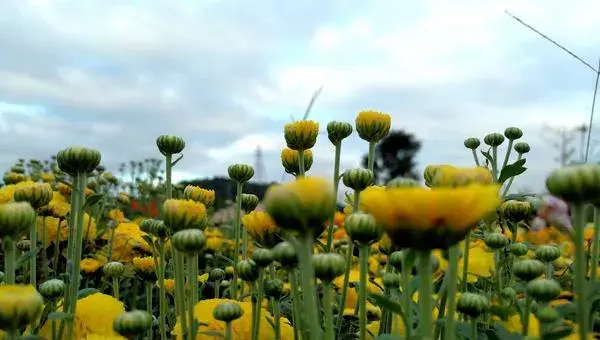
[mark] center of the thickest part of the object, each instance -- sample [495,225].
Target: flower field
[87,255]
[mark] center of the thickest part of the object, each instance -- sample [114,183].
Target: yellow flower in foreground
[301,135]
[89,265]
[143,265]
[241,327]
[116,215]
[481,264]
[127,242]
[424,218]
[451,176]
[183,214]
[261,227]
[95,315]
[373,126]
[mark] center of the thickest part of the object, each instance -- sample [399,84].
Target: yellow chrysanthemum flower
[181,214]
[261,227]
[481,264]
[89,265]
[116,215]
[351,294]
[201,195]
[54,231]
[291,163]
[47,177]
[448,175]
[128,242]
[430,218]
[143,264]
[7,192]
[301,135]
[373,126]
[241,327]
[95,315]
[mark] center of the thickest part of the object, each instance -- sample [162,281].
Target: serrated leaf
[92,200]
[25,258]
[512,170]
[387,303]
[59,316]
[86,292]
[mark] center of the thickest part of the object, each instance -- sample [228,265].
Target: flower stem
[180,291]
[371,157]
[115,287]
[258,309]
[425,291]
[149,304]
[168,169]
[295,305]
[33,258]
[525,320]
[596,250]
[549,271]
[192,261]
[8,246]
[497,274]
[301,169]
[406,294]
[495,163]
[228,331]
[510,181]
[336,183]
[451,293]
[277,318]
[362,290]
[328,316]
[508,151]
[580,282]
[45,243]
[238,227]
[475,157]
[465,271]
[160,273]
[474,334]
[304,247]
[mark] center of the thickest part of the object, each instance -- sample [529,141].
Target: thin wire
[589,137]
[552,41]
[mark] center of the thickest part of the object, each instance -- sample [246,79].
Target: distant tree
[395,156]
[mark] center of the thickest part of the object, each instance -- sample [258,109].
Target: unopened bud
[170,145]
[338,131]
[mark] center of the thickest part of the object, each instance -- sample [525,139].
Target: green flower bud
[522,148]
[78,160]
[519,249]
[156,228]
[274,288]
[133,324]
[496,241]
[472,304]
[328,266]
[262,256]
[216,275]
[13,178]
[180,214]
[52,289]
[249,202]
[37,194]
[391,280]
[301,135]
[528,270]
[402,182]
[114,269]
[24,245]
[547,315]
[123,198]
[358,179]
[285,254]
[240,173]
[338,131]
[494,139]
[21,306]
[18,169]
[508,294]
[170,145]
[513,133]
[189,241]
[430,173]
[547,253]
[395,259]
[15,219]
[577,183]
[472,143]
[92,184]
[516,211]
[291,161]
[543,290]
[247,270]
[228,311]
[362,228]
[110,178]
[100,168]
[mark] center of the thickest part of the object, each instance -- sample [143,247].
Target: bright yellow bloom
[116,215]
[7,192]
[95,315]
[261,227]
[143,264]
[198,194]
[20,305]
[351,294]
[241,327]
[291,162]
[169,286]
[373,126]
[55,232]
[182,214]
[128,242]
[430,218]
[89,265]
[481,264]
[448,175]
[301,135]
[203,278]
[47,177]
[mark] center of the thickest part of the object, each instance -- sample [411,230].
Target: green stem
[425,291]
[508,151]
[277,318]
[160,272]
[33,259]
[149,305]
[244,244]
[475,157]
[168,169]
[495,163]
[115,286]
[192,261]
[525,319]
[595,245]
[228,331]
[327,307]
[406,294]
[371,157]
[9,248]
[301,167]
[549,271]
[362,289]
[238,227]
[57,249]
[304,246]
[336,183]
[295,305]
[44,249]
[110,243]
[465,271]
[449,330]
[510,181]
[13,334]
[259,298]
[180,291]
[474,334]
[497,274]
[580,281]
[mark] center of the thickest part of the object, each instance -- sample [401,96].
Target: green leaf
[59,316]
[25,258]
[387,303]
[177,160]
[512,170]
[85,292]
[92,200]
[558,332]
[488,156]
[503,312]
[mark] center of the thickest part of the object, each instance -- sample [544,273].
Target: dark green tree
[395,156]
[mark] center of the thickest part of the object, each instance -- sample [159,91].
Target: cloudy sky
[228,74]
